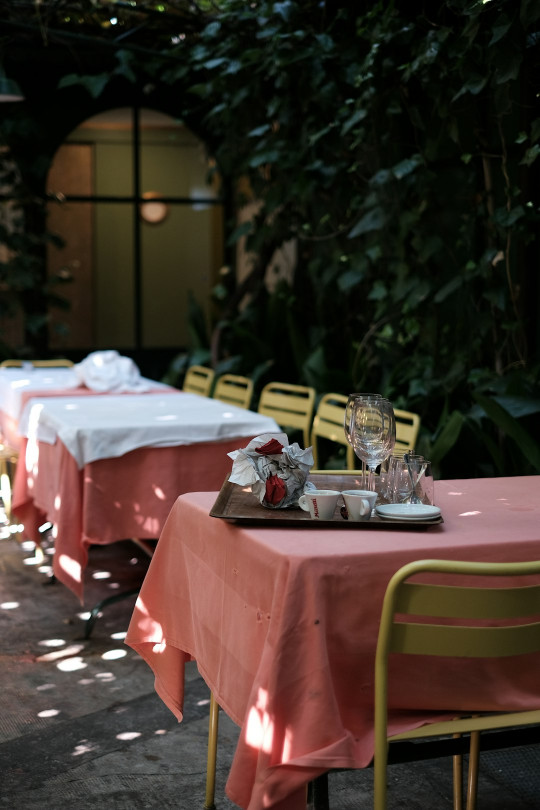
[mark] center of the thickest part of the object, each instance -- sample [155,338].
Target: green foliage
[396,145]
[390,144]
[24,289]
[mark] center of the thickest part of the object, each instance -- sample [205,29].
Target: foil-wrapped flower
[275,470]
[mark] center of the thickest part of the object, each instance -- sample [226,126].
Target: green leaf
[378,291]
[494,450]
[354,119]
[126,60]
[94,84]
[496,297]
[530,155]
[255,133]
[506,422]
[269,156]
[406,166]
[473,86]
[508,218]
[371,221]
[214,63]
[447,437]
[508,67]
[242,230]
[535,130]
[450,287]
[519,406]
[499,31]
[348,280]
[381,177]
[284,9]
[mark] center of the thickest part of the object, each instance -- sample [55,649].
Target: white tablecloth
[108,426]
[16,382]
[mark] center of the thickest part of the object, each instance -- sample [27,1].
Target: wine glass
[373,431]
[348,418]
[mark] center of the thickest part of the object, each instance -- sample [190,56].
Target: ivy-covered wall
[398,145]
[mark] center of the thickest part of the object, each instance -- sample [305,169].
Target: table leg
[213,722]
[94,613]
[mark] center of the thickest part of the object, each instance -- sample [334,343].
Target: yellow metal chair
[198,380]
[60,362]
[328,424]
[407,428]
[234,389]
[290,405]
[508,609]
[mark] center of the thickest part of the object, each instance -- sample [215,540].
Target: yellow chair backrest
[198,380]
[290,405]
[328,424]
[234,389]
[407,428]
[61,362]
[510,611]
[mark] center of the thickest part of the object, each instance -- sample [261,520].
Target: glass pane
[174,162]
[179,256]
[114,279]
[71,266]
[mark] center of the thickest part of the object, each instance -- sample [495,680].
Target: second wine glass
[373,433]
[347,420]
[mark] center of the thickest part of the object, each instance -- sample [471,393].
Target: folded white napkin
[110,371]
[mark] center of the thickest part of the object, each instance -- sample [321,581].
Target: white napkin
[278,475]
[110,371]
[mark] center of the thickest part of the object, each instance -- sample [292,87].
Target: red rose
[275,490]
[271,448]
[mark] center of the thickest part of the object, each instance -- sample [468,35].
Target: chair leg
[457,764]
[213,722]
[472,781]
[379,780]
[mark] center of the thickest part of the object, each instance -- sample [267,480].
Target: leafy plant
[396,147]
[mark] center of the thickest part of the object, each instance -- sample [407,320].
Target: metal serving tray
[237,504]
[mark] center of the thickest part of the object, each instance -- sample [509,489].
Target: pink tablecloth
[283,623]
[110,499]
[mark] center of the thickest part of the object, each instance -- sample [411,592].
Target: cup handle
[365,509]
[302,503]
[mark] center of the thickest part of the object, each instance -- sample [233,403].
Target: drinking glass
[412,480]
[348,418]
[373,432]
[348,411]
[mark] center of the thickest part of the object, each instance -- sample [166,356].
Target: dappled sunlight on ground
[101,575]
[111,655]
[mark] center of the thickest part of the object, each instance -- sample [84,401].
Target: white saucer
[408,511]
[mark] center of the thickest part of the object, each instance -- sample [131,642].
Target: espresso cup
[320,503]
[359,502]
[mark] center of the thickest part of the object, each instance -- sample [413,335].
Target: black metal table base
[96,610]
